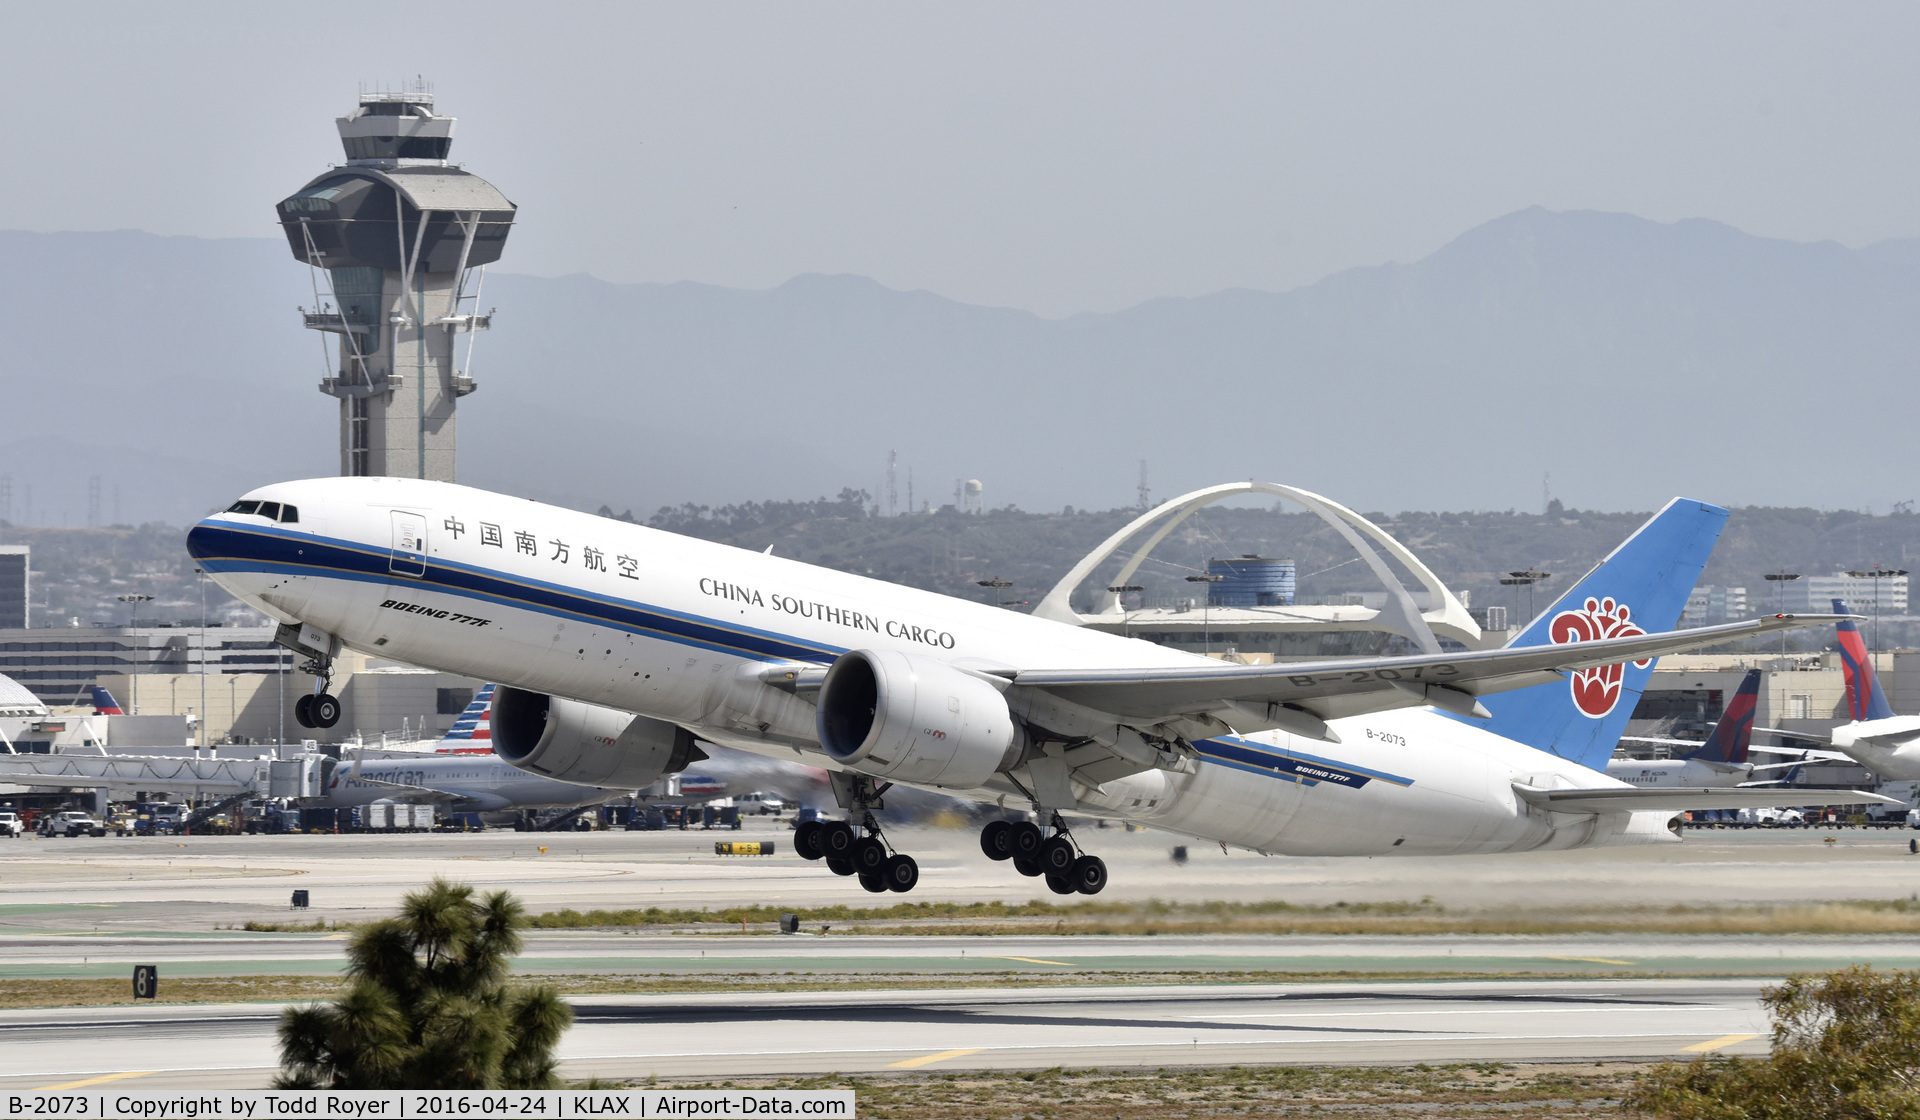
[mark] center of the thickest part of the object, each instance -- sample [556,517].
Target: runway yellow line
[102,1080]
[929,1059]
[1037,960]
[1590,960]
[1720,1043]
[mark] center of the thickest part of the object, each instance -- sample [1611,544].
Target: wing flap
[1629,799]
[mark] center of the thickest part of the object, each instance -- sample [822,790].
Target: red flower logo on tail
[1596,690]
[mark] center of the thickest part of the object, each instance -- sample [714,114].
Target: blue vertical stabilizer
[1641,588]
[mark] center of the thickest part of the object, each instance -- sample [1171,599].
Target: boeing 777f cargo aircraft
[584,619]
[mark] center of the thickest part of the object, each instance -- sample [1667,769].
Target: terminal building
[230,684]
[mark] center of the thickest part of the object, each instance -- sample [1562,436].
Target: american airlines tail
[472,733]
[104,704]
[1640,588]
[1865,701]
[1731,737]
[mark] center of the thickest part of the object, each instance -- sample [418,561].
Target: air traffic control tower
[398,240]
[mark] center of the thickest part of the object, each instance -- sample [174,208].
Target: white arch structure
[1400,615]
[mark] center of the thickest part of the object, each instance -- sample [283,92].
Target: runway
[1057,958]
[727,1035]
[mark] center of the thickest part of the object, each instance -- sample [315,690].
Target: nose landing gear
[318,708]
[1035,854]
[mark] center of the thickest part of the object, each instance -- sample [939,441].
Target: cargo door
[409,545]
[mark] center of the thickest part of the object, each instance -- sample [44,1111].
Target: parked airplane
[1433,753]
[104,704]
[1718,762]
[460,783]
[1887,744]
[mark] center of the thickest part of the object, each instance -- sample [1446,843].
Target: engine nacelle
[586,743]
[913,719]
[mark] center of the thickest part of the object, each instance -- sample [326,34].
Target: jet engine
[894,715]
[586,743]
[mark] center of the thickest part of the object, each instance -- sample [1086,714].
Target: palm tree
[428,1006]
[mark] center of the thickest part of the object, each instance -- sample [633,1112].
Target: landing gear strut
[1033,853]
[864,852]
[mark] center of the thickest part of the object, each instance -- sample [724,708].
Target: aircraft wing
[1620,800]
[1250,697]
[410,790]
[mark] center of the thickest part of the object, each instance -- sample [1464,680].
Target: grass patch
[255,989]
[1153,917]
[1431,1092]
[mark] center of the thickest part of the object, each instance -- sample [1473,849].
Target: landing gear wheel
[1088,875]
[869,856]
[303,710]
[997,840]
[839,866]
[1060,884]
[875,883]
[325,710]
[1026,839]
[806,840]
[1026,867]
[1056,856]
[901,873]
[836,840]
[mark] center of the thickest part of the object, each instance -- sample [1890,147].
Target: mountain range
[1608,360]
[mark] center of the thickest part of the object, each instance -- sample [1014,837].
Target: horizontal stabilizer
[1625,800]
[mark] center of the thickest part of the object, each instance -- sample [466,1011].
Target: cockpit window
[270,510]
[289,514]
[244,507]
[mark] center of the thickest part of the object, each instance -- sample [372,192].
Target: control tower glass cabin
[398,239]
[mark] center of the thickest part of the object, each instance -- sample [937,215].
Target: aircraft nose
[202,540]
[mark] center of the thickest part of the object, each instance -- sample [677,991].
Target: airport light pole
[1876,574]
[1126,617]
[1206,606]
[1780,579]
[133,623]
[202,573]
[1526,579]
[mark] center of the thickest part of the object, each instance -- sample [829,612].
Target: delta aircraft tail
[1865,701]
[1730,738]
[1640,588]
[104,704]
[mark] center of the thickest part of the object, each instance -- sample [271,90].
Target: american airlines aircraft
[584,619]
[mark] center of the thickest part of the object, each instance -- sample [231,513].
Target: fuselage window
[243,507]
[289,514]
[270,510]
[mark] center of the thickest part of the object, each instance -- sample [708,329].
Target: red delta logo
[1597,690]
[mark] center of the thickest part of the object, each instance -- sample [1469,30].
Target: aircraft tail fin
[1864,699]
[476,722]
[1640,588]
[104,704]
[1730,738]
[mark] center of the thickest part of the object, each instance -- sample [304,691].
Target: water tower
[398,240]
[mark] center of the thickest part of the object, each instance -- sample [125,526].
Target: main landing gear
[864,852]
[1034,853]
[318,708]
[847,852]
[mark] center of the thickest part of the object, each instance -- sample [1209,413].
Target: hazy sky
[1056,157]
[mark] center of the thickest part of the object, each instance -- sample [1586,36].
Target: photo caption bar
[410,1104]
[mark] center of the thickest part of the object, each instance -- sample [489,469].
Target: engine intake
[586,743]
[895,715]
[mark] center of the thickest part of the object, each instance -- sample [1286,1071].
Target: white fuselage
[1888,747]
[1676,773]
[603,611]
[473,783]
